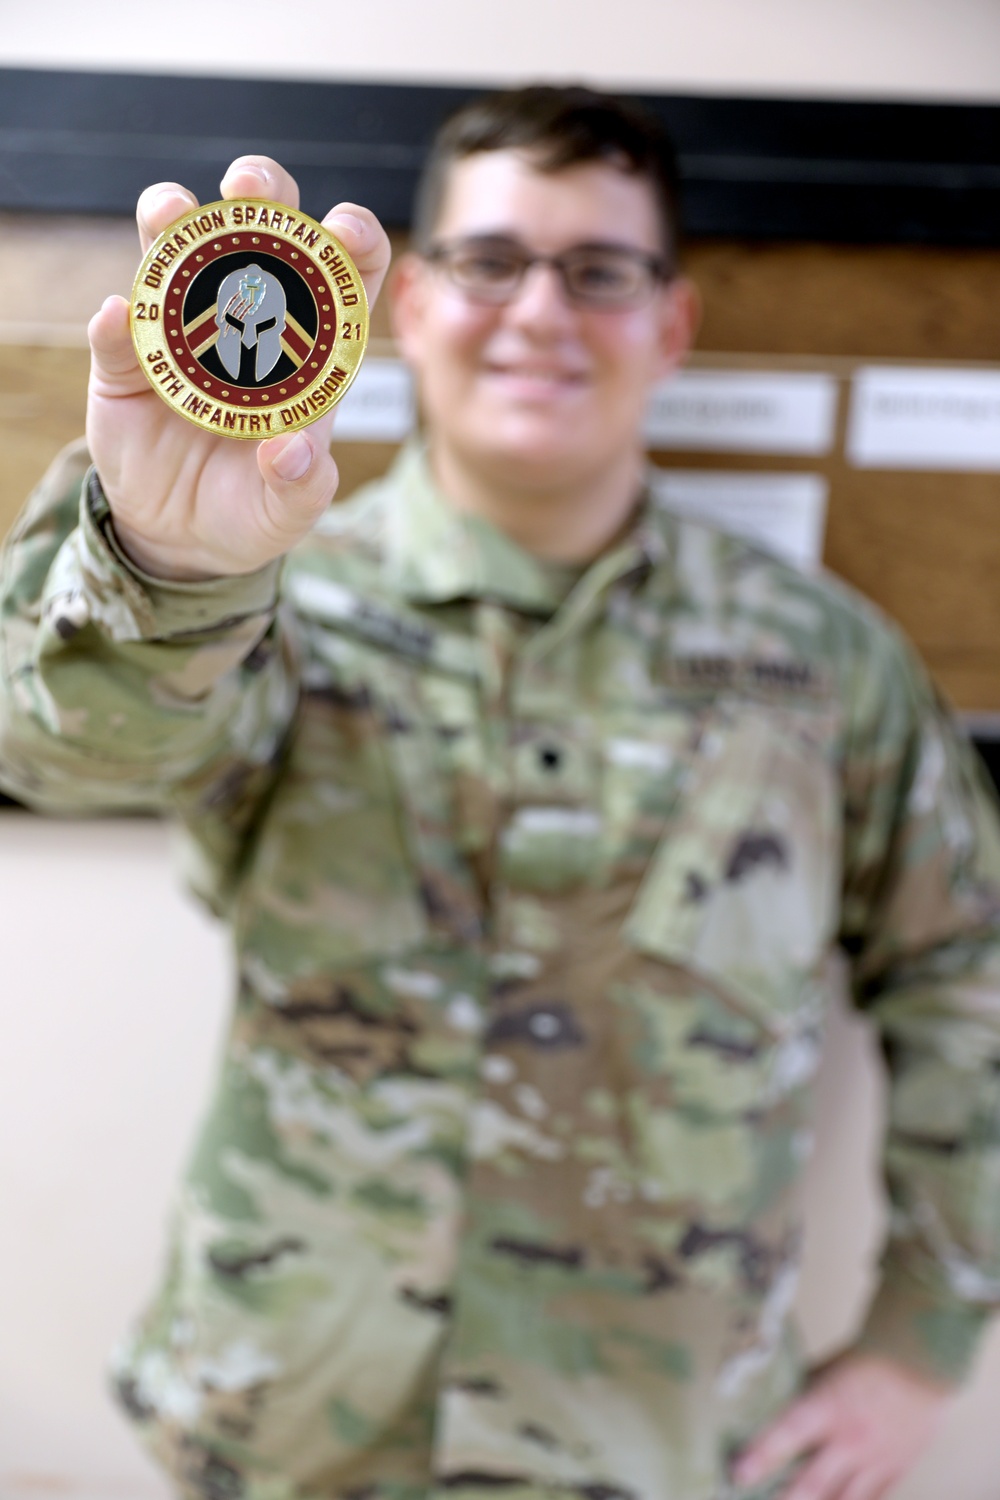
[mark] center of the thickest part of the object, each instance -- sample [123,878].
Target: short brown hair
[560,127]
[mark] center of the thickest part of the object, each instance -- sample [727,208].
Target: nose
[541,298]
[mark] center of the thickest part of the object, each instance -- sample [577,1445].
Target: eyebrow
[502,237]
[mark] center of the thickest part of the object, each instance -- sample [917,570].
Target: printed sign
[751,411]
[380,407]
[711,410]
[781,513]
[905,418]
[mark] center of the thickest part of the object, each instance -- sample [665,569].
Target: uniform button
[544,1025]
[69,613]
[550,757]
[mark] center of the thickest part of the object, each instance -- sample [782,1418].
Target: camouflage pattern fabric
[536,900]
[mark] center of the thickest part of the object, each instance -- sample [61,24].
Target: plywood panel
[867,302]
[43,394]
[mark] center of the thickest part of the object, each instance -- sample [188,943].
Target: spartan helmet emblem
[251,310]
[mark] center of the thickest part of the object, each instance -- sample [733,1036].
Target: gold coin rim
[146,342]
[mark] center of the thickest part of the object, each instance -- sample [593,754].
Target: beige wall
[113,996]
[900,48]
[113,986]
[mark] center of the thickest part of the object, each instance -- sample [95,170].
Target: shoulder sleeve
[921,924]
[119,691]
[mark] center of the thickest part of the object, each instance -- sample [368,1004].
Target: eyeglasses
[599,276]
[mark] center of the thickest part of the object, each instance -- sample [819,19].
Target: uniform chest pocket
[741,890]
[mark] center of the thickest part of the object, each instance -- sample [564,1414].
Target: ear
[680,315]
[407,303]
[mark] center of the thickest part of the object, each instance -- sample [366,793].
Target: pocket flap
[741,888]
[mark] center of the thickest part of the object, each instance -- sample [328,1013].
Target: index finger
[260,177]
[159,206]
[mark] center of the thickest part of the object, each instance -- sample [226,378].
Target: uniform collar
[437,555]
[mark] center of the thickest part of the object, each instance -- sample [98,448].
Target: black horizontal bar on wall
[835,170]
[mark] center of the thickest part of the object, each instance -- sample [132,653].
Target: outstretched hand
[860,1427]
[187,504]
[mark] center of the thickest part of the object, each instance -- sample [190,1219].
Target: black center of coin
[249,296]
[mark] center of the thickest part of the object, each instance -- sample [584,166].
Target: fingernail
[171,195]
[349,222]
[247,169]
[294,458]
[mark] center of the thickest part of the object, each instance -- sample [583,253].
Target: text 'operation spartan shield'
[249,318]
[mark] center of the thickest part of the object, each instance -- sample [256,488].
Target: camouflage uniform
[536,901]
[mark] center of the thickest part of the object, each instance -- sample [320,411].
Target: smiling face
[538,392]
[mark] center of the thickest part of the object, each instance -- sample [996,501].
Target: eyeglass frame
[657,265]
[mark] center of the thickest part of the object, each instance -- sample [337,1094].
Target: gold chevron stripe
[297,329]
[213,338]
[297,359]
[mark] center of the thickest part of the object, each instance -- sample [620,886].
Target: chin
[536,464]
[530,441]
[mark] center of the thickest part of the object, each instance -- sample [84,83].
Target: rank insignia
[249,318]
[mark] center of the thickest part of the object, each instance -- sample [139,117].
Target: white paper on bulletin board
[744,411]
[711,410]
[906,418]
[380,406]
[781,513]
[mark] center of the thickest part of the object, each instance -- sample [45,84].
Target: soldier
[538,814]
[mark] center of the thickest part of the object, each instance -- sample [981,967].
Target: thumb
[300,479]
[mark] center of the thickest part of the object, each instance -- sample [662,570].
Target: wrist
[915,1320]
[153,561]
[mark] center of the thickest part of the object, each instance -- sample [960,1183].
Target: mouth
[540,381]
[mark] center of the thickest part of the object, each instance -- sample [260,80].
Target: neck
[571,521]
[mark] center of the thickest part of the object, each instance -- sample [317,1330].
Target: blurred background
[841,175]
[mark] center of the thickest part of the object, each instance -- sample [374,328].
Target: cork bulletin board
[784,290]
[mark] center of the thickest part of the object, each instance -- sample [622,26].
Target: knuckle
[819,1409]
[800,1422]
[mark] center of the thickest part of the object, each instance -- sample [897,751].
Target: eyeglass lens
[592,275]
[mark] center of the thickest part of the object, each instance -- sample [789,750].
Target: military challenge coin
[249,318]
